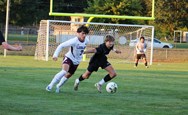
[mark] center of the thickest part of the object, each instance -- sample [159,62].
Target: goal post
[53,32]
[151,17]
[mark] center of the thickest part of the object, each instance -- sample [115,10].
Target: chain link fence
[53,32]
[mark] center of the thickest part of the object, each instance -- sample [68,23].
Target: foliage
[114,7]
[25,12]
[170,15]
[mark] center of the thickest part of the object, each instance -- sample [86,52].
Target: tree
[2,11]
[170,15]
[115,7]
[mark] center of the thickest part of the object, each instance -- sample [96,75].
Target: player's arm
[137,49]
[93,50]
[61,46]
[145,47]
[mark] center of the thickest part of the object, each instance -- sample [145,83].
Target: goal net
[53,32]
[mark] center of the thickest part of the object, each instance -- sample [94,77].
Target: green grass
[158,90]
[181,45]
[18,37]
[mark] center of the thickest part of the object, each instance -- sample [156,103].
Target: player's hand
[55,58]
[19,47]
[141,50]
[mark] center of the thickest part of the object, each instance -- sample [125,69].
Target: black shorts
[2,39]
[140,56]
[72,67]
[95,66]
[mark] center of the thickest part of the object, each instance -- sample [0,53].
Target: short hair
[83,28]
[142,37]
[109,38]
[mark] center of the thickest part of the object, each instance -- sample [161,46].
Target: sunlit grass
[158,90]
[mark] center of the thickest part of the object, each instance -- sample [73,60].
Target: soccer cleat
[57,89]
[147,67]
[48,88]
[99,87]
[76,83]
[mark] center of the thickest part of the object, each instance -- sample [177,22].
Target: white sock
[101,82]
[62,81]
[57,77]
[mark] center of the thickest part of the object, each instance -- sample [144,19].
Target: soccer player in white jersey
[71,59]
[140,51]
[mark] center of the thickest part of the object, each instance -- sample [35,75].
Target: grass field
[18,37]
[161,89]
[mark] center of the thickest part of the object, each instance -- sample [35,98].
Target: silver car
[156,43]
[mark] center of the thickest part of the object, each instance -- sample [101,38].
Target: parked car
[156,43]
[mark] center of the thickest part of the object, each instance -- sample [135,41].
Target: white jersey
[141,48]
[76,49]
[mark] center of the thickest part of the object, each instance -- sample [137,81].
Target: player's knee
[114,74]
[68,75]
[85,76]
[145,60]
[60,74]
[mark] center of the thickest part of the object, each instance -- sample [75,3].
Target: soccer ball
[111,87]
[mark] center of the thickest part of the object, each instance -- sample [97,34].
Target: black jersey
[100,56]
[2,39]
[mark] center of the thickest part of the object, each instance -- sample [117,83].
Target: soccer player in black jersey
[99,59]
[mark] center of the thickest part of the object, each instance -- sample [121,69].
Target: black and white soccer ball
[111,87]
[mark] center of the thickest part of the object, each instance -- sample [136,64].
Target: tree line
[170,15]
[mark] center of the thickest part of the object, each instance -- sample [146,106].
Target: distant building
[180,36]
[74,26]
[185,37]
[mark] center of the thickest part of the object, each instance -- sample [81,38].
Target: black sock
[146,64]
[107,78]
[136,64]
[81,78]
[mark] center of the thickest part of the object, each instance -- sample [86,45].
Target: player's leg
[91,67]
[63,80]
[81,78]
[71,71]
[111,74]
[58,76]
[136,60]
[56,79]
[145,62]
